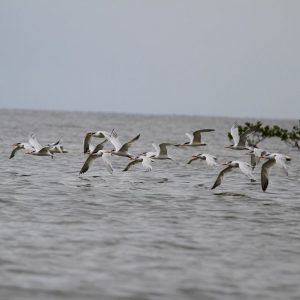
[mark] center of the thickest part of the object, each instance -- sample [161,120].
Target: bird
[195,138]
[272,159]
[20,146]
[120,149]
[87,147]
[56,148]
[244,167]
[161,151]
[98,152]
[255,155]
[240,140]
[143,159]
[38,150]
[210,159]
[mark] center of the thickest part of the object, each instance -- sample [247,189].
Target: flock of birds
[241,142]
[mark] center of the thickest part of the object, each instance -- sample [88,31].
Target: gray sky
[227,58]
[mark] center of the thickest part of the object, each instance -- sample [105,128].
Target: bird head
[16,145]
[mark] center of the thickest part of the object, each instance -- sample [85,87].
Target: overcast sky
[213,57]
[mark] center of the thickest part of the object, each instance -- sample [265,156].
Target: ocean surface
[142,235]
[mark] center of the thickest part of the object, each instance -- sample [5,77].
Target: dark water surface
[142,235]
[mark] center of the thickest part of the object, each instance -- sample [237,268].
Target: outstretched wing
[126,146]
[34,142]
[87,142]
[197,135]
[195,157]
[210,159]
[220,176]
[235,133]
[190,137]
[99,146]
[13,153]
[244,136]
[113,139]
[132,163]
[264,180]
[157,149]
[54,144]
[88,163]
[107,163]
[246,169]
[280,161]
[163,148]
[146,163]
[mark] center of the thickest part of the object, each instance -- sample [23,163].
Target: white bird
[243,166]
[58,149]
[143,159]
[195,138]
[20,146]
[210,159]
[38,149]
[272,159]
[161,151]
[98,152]
[120,149]
[240,140]
[87,147]
[255,155]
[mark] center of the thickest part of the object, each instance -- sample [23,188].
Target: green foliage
[291,138]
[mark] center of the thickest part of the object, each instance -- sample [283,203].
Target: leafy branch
[291,138]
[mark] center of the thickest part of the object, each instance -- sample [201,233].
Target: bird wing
[45,149]
[163,148]
[34,142]
[55,149]
[99,146]
[264,179]
[146,163]
[246,169]
[13,153]
[190,136]
[235,133]
[87,142]
[197,136]
[132,163]
[151,154]
[54,144]
[126,146]
[280,161]
[253,161]
[210,159]
[244,136]
[220,176]
[88,163]
[195,157]
[113,139]
[157,149]
[107,163]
